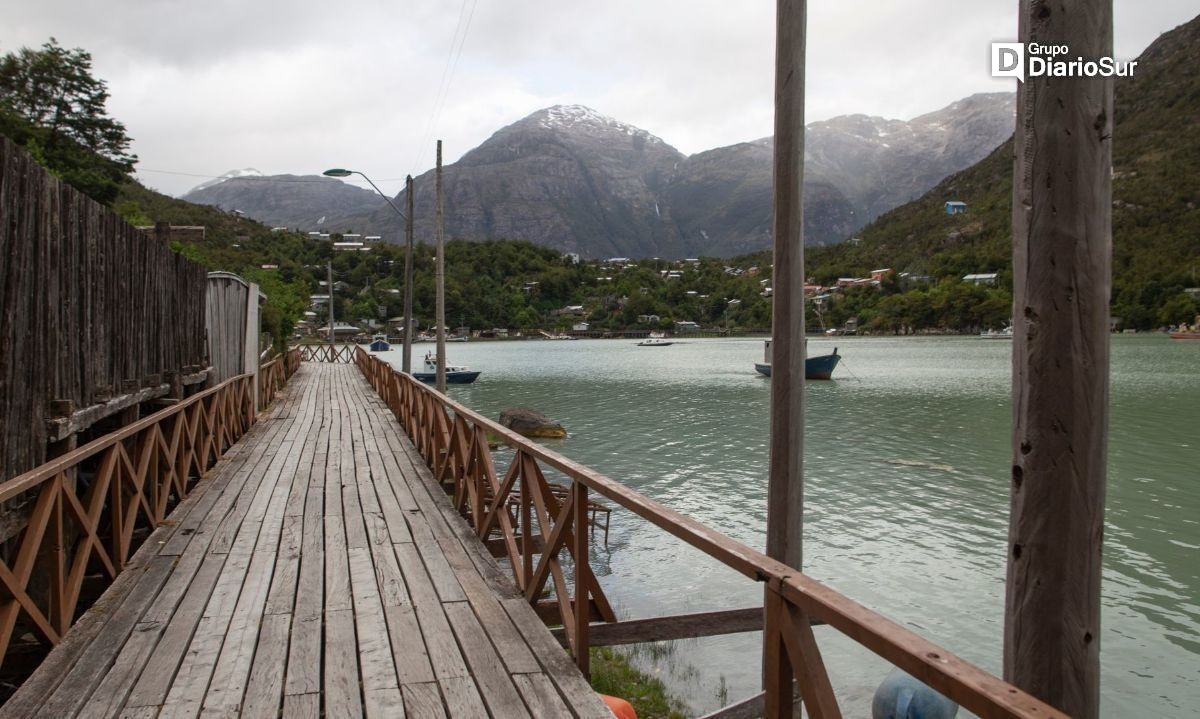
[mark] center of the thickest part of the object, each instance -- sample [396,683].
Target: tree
[52,105]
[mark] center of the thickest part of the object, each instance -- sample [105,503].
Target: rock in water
[901,696]
[531,423]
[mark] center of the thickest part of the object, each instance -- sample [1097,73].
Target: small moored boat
[379,343]
[819,367]
[1001,334]
[455,374]
[656,339]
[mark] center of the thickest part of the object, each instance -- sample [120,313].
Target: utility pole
[329,270]
[785,485]
[439,236]
[408,277]
[1062,277]
[785,492]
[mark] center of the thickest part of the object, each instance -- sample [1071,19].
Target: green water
[906,462]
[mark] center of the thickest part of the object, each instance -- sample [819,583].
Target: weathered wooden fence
[95,317]
[541,532]
[232,307]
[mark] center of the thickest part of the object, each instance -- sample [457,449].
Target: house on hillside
[986,278]
[955,207]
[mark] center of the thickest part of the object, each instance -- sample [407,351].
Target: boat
[818,367]
[456,338]
[1002,334]
[379,343]
[455,374]
[656,339]
[1185,332]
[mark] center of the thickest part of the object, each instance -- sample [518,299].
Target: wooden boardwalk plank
[342,691]
[152,686]
[77,686]
[264,692]
[494,682]
[540,696]
[423,701]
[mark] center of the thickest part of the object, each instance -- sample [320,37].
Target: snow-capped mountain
[246,172]
[572,178]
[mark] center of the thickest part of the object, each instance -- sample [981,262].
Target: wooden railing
[274,374]
[543,532]
[91,501]
[338,353]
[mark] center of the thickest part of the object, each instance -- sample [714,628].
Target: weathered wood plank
[282,596]
[679,626]
[264,692]
[571,684]
[423,701]
[341,687]
[232,670]
[443,651]
[462,698]
[337,568]
[494,683]
[408,645]
[152,687]
[76,687]
[302,706]
[540,696]
[374,647]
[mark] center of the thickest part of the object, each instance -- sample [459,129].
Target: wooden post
[583,602]
[1062,257]
[785,487]
[408,276]
[785,491]
[329,270]
[439,235]
[250,352]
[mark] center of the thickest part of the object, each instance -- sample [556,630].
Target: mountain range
[573,179]
[1155,201]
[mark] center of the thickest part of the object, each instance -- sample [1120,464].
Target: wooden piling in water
[1062,257]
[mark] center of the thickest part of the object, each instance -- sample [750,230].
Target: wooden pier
[317,569]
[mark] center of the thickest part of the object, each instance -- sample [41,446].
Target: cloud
[299,86]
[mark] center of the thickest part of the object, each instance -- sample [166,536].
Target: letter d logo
[1008,60]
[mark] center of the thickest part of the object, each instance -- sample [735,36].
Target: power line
[457,42]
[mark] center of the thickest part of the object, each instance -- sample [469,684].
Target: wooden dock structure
[318,568]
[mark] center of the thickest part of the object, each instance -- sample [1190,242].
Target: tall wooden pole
[785,491]
[329,271]
[406,363]
[441,276]
[785,488]
[1062,264]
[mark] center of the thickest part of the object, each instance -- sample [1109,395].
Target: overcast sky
[298,86]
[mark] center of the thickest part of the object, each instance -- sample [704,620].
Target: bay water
[906,469]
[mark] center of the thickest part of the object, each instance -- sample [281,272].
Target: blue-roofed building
[955,207]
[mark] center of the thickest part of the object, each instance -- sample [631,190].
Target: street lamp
[408,260]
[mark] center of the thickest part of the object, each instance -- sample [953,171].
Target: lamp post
[406,365]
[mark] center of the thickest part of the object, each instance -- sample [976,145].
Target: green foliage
[51,104]
[613,674]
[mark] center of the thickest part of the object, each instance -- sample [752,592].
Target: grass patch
[613,674]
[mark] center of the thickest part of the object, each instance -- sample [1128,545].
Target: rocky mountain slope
[573,179]
[296,201]
[1156,200]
